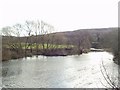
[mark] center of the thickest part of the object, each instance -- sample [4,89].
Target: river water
[84,71]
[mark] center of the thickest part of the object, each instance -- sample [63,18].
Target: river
[76,71]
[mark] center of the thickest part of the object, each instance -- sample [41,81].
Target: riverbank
[116,58]
[8,54]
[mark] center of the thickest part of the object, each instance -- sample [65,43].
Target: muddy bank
[60,52]
[116,58]
[8,54]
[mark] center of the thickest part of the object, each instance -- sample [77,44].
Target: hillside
[70,34]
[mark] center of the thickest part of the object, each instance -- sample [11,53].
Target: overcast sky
[64,15]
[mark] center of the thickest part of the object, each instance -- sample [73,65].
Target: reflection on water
[59,72]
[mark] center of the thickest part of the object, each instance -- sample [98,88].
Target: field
[39,46]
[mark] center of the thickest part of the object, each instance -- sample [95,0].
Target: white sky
[64,15]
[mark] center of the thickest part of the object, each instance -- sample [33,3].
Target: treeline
[110,41]
[37,38]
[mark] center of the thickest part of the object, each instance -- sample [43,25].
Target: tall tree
[46,29]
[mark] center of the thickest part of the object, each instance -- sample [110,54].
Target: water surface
[59,72]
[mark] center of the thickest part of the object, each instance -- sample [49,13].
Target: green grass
[50,46]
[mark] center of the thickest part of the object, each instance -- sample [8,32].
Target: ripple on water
[71,71]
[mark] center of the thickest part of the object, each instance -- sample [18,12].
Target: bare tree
[45,31]
[7,32]
[12,40]
[18,33]
[28,29]
[37,32]
[81,41]
[14,34]
[110,82]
